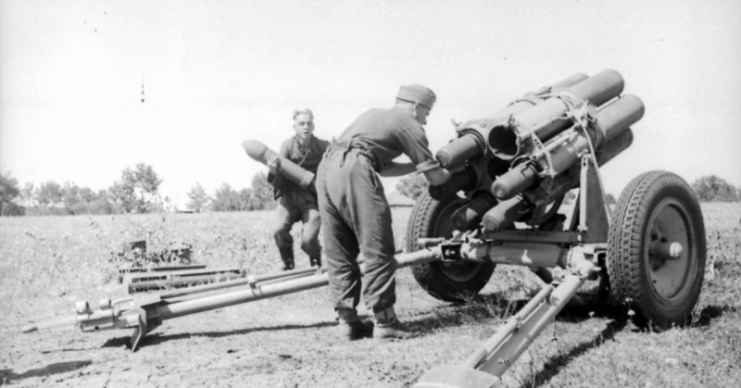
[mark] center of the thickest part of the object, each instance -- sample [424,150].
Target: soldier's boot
[315,261]
[389,328]
[351,327]
[286,255]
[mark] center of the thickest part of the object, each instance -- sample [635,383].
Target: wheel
[450,282]
[656,249]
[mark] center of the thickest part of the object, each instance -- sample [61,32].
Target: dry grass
[47,263]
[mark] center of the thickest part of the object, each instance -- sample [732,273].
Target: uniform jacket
[309,160]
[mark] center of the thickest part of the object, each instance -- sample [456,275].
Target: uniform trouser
[294,206]
[356,218]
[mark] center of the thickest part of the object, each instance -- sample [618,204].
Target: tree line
[137,191]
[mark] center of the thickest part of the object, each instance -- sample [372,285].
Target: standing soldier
[294,203]
[356,217]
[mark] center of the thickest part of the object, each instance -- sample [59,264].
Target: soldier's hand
[273,163]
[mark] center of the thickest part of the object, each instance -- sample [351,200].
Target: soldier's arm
[394,169]
[438,176]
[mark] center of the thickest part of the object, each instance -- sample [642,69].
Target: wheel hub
[667,255]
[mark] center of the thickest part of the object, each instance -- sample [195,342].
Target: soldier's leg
[373,226]
[283,219]
[310,231]
[341,251]
[371,220]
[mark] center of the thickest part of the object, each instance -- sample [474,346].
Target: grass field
[48,263]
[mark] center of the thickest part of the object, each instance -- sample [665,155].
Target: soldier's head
[303,122]
[418,100]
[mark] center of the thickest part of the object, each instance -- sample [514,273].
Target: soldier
[356,217]
[294,203]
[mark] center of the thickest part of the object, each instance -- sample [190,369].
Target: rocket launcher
[528,155]
[472,142]
[295,173]
[565,149]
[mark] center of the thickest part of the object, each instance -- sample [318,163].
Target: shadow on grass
[158,338]
[554,365]
[498,306]
[710,313]
[8,376]
[619,321]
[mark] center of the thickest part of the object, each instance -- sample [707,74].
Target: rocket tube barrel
[549,117]
[600,88]
[531,99]
[464,180]
[619,115]
[261,153]
[564,150]
[570,178]
[615,147]
[520,178]
[504,214]
[471,144]
[468,216]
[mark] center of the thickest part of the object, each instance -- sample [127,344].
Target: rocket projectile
[295,173]
[464,180]
[469,215]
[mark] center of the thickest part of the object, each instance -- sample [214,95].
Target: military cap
[417,93]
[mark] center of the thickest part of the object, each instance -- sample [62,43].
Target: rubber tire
[628,267]
[448,282]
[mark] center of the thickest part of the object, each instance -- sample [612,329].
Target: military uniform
[354,213]
[297,204]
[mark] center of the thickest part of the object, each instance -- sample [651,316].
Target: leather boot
[286,255]
[389,328]
[351,327]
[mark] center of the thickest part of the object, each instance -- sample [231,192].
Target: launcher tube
[550,116]
[564,150]
[471,143]
[295,173]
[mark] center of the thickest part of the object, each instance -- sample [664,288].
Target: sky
[89,88]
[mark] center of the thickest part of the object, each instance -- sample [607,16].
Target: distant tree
[226,199]
[137,190]
[49,193]
[28,194]
[101,203]
[714,189]
[262,192]
[9,192]
[248,200]
[199,199]
[412,186]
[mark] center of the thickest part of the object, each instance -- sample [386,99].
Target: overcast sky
[73,74]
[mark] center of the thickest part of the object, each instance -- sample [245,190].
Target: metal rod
[510,350]
[259,292]
[509,327]
[235,283]
[142,277]
[517,253]
[245,283]
[179,282]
